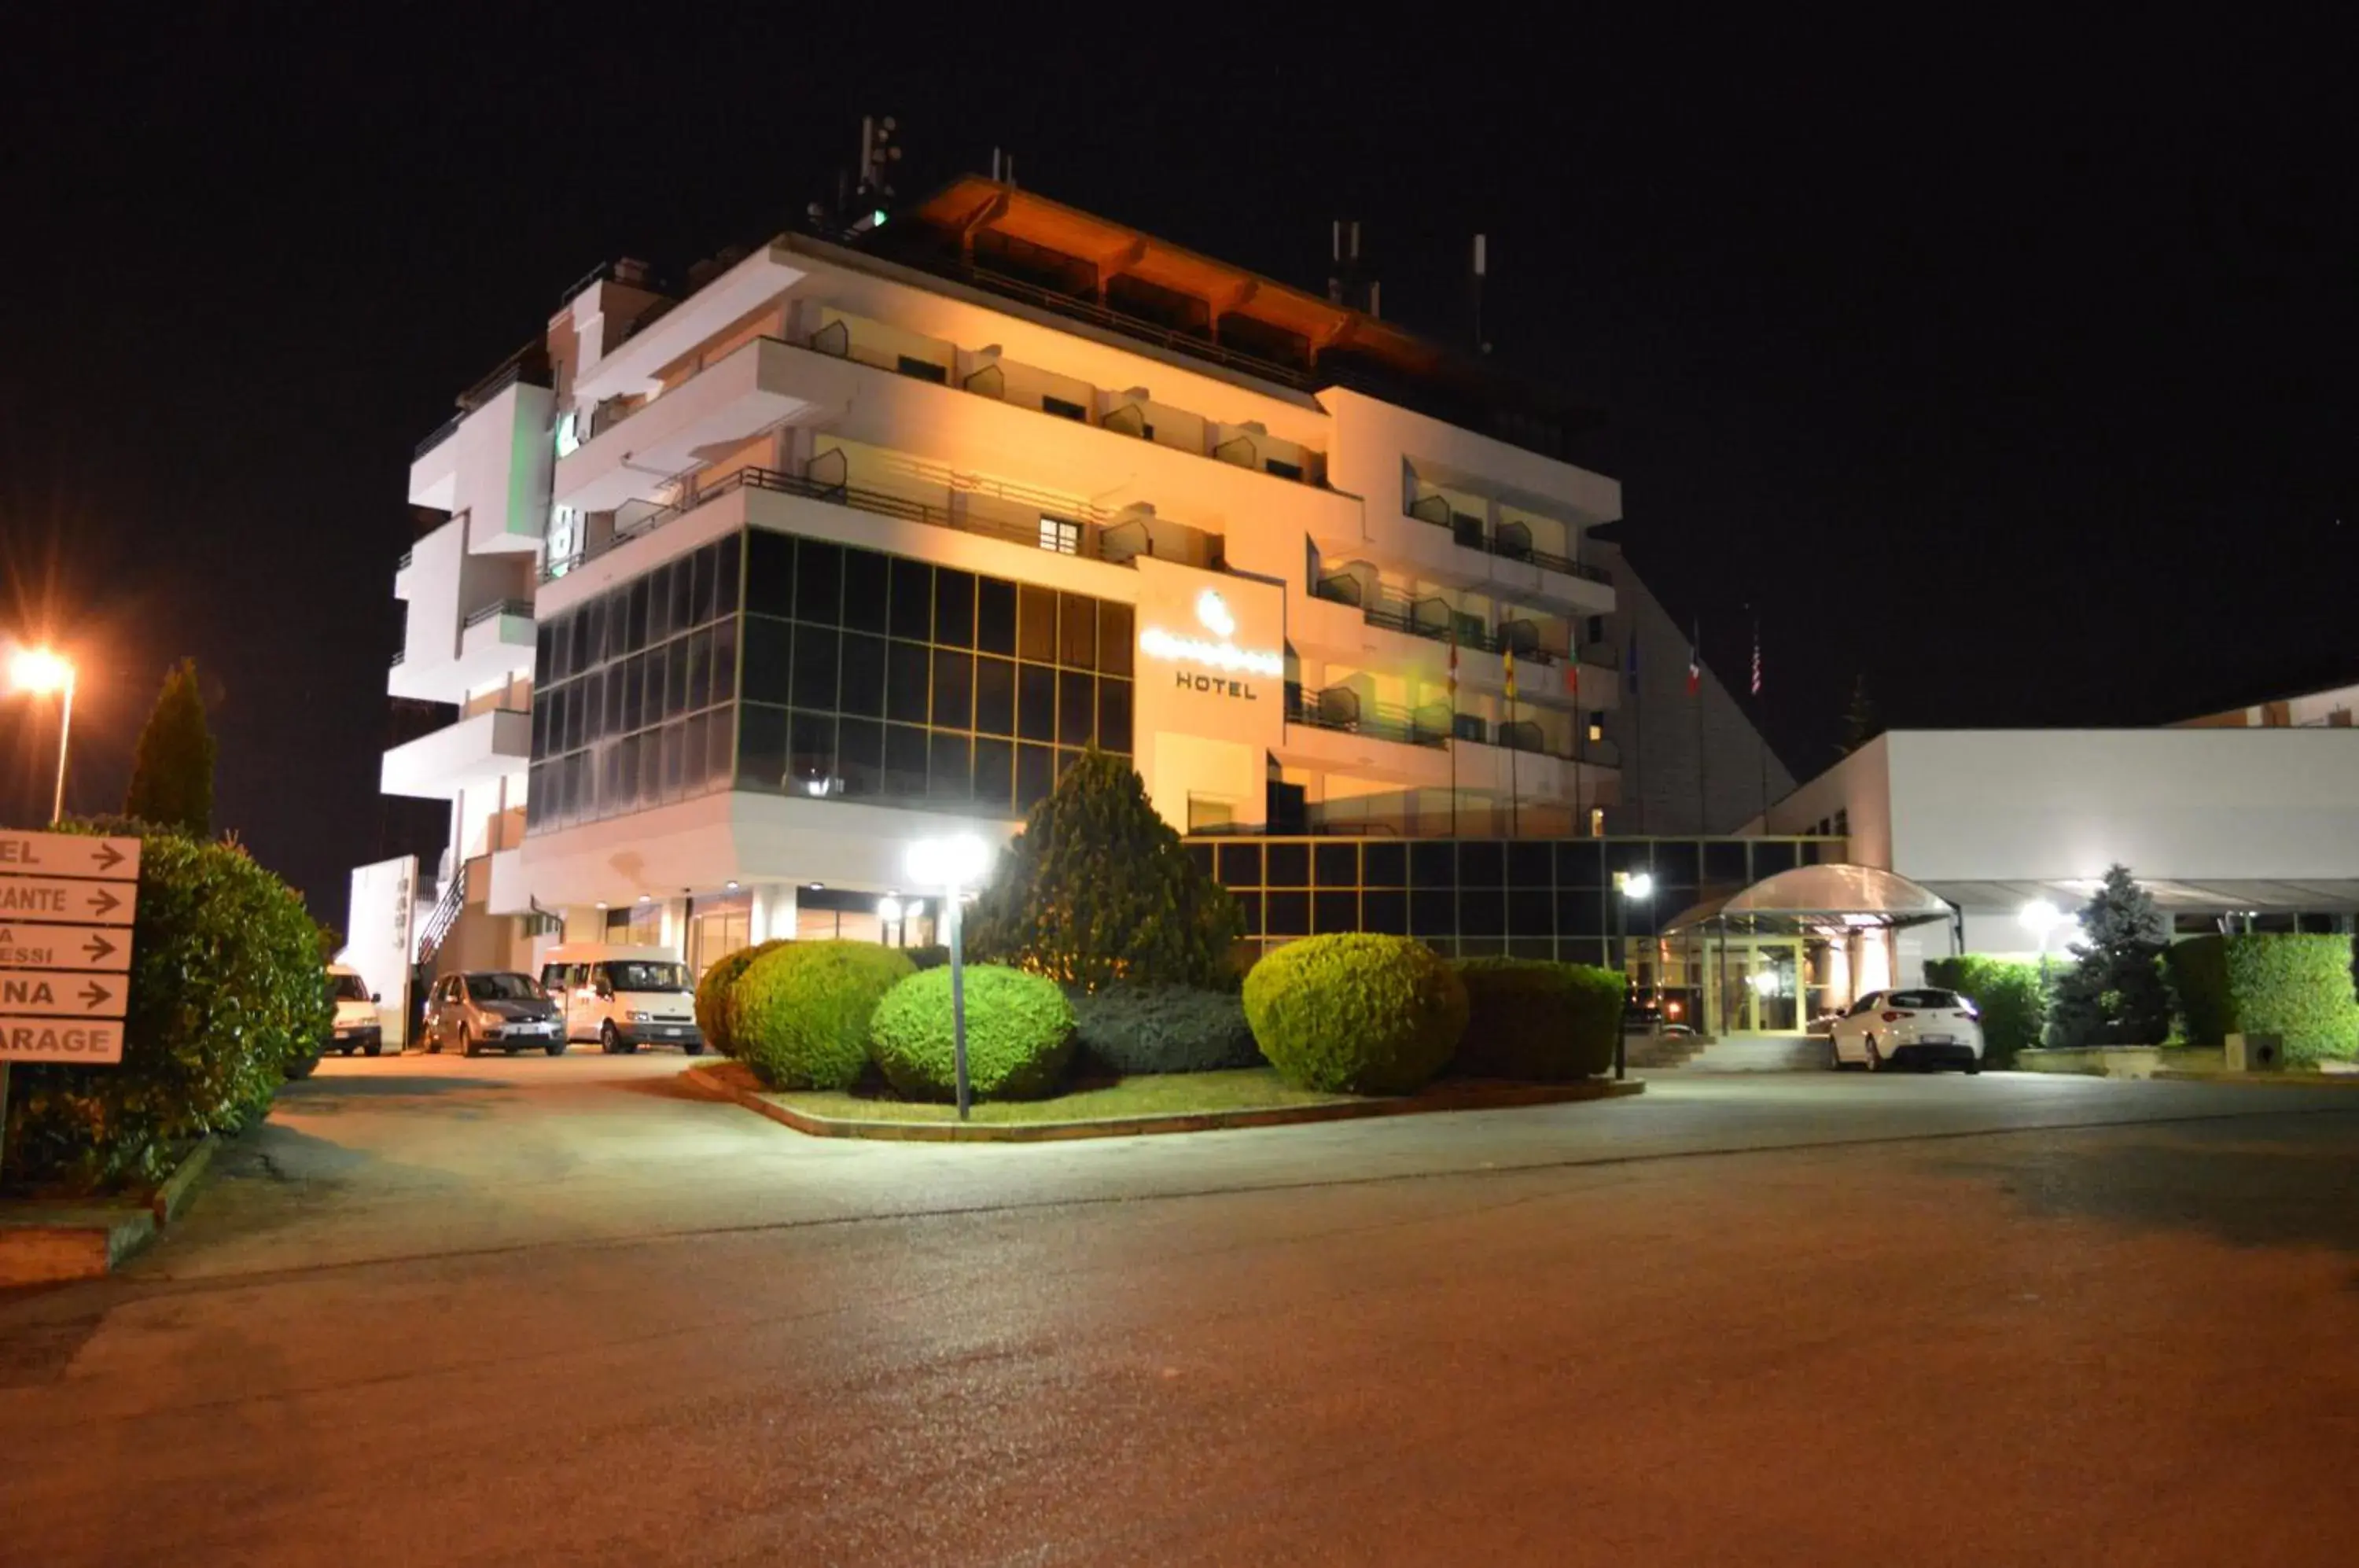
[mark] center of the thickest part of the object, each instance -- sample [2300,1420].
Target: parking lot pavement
[411,1156]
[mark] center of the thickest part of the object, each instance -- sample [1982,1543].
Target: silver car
[492,1010]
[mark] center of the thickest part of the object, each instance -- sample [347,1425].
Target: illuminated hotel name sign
[1217,653]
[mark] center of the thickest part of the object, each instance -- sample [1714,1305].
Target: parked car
[492,1010]
[357,1025]
[1919,1026]
[622,997]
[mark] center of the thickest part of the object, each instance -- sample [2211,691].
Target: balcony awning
[1817,900]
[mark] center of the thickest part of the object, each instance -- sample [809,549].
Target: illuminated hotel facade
[743,589]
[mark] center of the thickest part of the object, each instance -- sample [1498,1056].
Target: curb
[2266,1080]
[1186,1121]
[49,1243]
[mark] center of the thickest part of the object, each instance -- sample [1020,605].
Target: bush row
[2298,987]
[2008,993]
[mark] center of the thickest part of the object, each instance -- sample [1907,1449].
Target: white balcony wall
[469,753]
[494,466]
[759,387]
[636,365]
[444,583]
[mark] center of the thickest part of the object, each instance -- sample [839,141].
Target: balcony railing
[443,432]
[1117,543]
[1508,541]
[497,608]
[1340,708]
[1434,619]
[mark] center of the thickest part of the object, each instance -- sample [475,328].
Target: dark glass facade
[1526,898]
[877,677]
[779,664]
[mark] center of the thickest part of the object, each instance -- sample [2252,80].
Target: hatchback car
[492,1010]
[1921,1026]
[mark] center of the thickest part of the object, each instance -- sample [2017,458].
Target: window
[1060,537]
[1597,821]
[1063,409]
[1210,813]
[1596,629]
[923,369]
[1282,468]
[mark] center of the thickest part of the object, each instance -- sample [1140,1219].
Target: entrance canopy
[1818,900]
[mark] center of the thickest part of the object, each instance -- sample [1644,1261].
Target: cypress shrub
[226,993]
[1163,1029]
[2008,995]
[1542,1022]
[712,993]
[1355,1013]
[1019,1035]
[799,1015]
[2296,987]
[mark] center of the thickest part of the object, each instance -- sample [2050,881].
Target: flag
[1507,656]
[1454,657]
[1695,660]
[1573,673]
[1757,658]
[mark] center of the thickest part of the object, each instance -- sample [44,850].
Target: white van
[357,1025]
[622,997]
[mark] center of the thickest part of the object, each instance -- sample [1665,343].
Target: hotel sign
[1210,658]
[64,900]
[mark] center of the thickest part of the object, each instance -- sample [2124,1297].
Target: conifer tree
[2116,994]
[172,770]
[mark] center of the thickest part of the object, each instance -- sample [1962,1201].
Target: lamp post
[888,914]
[39,671]
[952,864]
[1627,886]
[2039,917]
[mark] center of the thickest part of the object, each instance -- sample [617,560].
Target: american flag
[1757,656]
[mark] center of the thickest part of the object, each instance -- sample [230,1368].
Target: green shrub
[1019,1035]
[799,1015]
[2296,987]
[225,992]
[713,999]
[1163,1029]
[2006,992]
[1538,1021]
[1097,887]
[1355,1013]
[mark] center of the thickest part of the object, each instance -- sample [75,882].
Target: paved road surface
[563,1311]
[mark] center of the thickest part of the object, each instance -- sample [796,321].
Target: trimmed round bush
[1163,1029]
[712,993]
[1540,1022]
[1355,1013]
[1019,1035]
[226,992]
[799,1015]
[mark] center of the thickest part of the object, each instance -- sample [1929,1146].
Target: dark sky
[2012,372]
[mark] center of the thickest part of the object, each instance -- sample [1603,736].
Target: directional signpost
[66,903]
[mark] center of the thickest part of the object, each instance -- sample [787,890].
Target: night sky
[2013,373]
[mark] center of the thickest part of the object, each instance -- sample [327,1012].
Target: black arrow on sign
[103,902]
[98,947]
[108,857]
[95,993]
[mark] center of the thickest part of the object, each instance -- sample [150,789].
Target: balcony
[1499,556]
[468,754]
[995,512]
[1434,619]
[495,642]
[1340,708]
[753,389]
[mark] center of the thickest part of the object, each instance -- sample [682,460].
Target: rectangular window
[1035,639]
[1282,468]
[953,607]
[913,600]
[1210,813]
[1036,775]
[994,696]
[1596,728]
[810,760]
[725,661]
[860,756]
[1036,701]
[1077,708]
[1077,631]
[923,369]
[906,682]
[954,689]
[994,616]
[1113,714]
[994,773]
[904,761]
[815,668]
[675,680]
[1114,623]
[1059,535]
[867,590]
[769,647]
[949,770]
[1063,408]
[864,675]
[819,570]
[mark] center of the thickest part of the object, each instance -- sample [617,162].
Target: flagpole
[1695,681]
[1514,806]
[1761,719]
[1453,724]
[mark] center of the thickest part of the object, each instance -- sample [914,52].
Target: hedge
[712,993]
[2296,987]
[1019,1035]
[799,1015]
[2008,993]
[1355,1013]
[1541,1022]
[1163,1029]
[226,991]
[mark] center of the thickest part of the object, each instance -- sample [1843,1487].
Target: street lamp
[39,671]
[2039,917]
[952,864]
[1631,886]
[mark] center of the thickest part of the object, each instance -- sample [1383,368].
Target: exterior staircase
[1729,1054]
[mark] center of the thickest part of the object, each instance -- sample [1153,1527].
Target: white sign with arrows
[63,947]
[65,899]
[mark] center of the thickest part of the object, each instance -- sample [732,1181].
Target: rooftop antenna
[878,152]
[1482,265]
[1342,279]
[1003,167]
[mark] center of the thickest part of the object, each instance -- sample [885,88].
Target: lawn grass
[1145,1095]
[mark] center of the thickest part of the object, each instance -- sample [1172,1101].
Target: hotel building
[740,588]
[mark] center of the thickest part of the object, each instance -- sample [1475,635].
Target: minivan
[622,997]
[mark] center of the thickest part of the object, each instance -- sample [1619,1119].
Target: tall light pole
[39,671]
[888,915]
[952,864]
[1628,885]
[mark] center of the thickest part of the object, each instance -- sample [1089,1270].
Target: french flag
[1695,660]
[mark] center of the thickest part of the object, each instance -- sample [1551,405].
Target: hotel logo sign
[1213,663]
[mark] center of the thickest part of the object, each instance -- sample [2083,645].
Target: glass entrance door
[1759,983]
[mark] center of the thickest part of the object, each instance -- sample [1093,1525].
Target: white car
[622,997]
[1920,1027]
